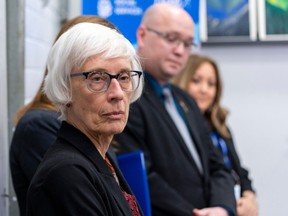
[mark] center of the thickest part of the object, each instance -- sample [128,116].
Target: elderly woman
[36,127]
[94,75]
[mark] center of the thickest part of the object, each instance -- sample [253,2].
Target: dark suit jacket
[176,186]
[73,179]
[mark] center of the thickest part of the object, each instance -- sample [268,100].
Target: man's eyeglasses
[99,81]
[173,39]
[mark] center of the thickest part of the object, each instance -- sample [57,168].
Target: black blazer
[243,174]
[73,179]
[33,135]
[176,186]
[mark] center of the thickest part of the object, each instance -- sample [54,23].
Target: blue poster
[276,17]
[228,18]
[127,14]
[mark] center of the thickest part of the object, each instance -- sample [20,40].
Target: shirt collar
[156,86]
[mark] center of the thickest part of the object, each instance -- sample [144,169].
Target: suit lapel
[153,99]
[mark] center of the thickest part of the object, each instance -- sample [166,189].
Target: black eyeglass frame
[165,35]
[111,76]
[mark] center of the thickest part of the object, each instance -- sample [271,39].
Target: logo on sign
[104,8]
[121,7]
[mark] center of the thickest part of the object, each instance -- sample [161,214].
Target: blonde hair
[216,114]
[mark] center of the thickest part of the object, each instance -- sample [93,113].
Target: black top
[33,135]
[240,174]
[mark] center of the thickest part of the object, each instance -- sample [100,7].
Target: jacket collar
[82,143]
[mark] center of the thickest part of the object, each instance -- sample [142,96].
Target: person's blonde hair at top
[40,100]
[74,48]
[216,114]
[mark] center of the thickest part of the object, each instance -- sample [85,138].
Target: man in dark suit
[180,182]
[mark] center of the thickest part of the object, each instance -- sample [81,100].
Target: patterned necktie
[182,127]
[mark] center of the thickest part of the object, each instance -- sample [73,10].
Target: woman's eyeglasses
[99,81]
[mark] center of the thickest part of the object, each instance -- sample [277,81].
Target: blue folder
[133,168]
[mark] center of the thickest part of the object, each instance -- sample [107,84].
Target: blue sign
[127,14]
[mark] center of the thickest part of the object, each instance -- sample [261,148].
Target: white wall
[3,114]
[256,92]
[42,22]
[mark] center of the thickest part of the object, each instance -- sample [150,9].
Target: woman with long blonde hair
[201,79]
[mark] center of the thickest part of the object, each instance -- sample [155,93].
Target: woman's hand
[212,211]
[247,205]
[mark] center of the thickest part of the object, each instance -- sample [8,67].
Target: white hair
[73,48]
